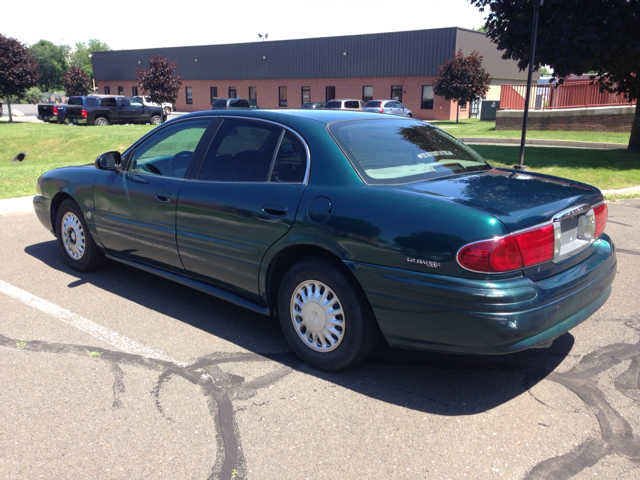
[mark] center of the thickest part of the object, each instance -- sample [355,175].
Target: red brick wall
[580,123]
[345,88]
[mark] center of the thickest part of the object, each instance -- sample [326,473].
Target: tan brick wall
[345,88]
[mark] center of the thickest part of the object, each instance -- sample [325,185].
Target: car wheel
[409,115]
[101,122]
[74,239]
[156,120]
[325,316]
[167,110]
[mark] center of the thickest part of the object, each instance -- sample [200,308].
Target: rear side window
[75,101]
[241,151]
[398,151]
[239,103]
[291,161]
[108,102]
[333,105]
[91,102]
[220,103]
[372,103]
[352,104]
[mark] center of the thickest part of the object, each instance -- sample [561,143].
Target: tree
[76,82]
[159,81]
[52,63]
[575,37]
[81,56]
[18,70]
[462,79]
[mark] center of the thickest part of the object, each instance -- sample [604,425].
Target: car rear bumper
[52,118]
[78,121]
[432,312]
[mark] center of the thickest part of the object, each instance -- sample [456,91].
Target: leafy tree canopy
[574,37]
[76,82]
[18,70]
[80,57]
[462,79]
[52,63]
[159,82]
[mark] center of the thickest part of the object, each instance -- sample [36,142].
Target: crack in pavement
[221,388]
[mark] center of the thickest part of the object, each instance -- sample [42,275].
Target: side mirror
[109,161]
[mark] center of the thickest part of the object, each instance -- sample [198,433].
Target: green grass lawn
[473,127]
[49,146]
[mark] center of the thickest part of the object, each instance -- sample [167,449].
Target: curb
[535,142]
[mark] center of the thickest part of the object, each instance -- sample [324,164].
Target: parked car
[313,105]
[57,113]
[234,104]
[115,110]
[166,107]
[391,107]
[344,104]
[345,225]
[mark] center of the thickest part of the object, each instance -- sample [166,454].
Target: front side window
[188,93]
[427,97]
[169,151]
[282,96]
[399,151]
[396,92]
[367,93]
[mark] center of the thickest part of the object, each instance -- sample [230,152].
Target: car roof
[286,116]
[344,100]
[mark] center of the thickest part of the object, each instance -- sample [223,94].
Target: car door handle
[164,197]
[275,210]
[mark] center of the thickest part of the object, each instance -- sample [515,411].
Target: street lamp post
[532,52]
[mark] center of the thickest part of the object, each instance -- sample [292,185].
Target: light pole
[532,52]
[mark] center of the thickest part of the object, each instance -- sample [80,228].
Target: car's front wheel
[325,316]
[76,244]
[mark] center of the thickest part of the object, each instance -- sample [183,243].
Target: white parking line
[115,339]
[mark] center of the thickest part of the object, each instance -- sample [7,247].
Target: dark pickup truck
[115,110]
[56,113]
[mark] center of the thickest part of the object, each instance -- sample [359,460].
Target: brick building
[287,73]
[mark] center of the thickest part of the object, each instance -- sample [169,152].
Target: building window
[232,92]
[134,91]
[213,91]
[120,90]
[330,93]
[253,94]
[396,93]
[188,95]
[107,91]
[463,106]
[282,95]
[367,93]
[306,94]
[427,97]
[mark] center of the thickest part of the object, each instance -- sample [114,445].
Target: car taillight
[55,110]
[84,113]
[511,252]
[381,110]
[601,213]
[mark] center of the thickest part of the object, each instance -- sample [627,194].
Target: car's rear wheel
[156,120]
[325,316]
[101,122]
[74,239]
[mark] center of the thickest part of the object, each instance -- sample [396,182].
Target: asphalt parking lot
[120,374]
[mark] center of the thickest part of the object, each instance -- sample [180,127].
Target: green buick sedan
[345,225]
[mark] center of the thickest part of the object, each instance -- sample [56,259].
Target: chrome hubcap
[317,316]
[73,236]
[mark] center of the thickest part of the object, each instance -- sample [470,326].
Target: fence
[549,96]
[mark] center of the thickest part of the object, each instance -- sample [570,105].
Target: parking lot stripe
[95,330]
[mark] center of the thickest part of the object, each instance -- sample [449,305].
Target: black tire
[167,111]
[76,244]
[354,335]
[101,122]
[409,115]
[156,120]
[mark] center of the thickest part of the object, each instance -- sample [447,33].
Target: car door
[125,110]
[138,112]
[136,207]
[243,199]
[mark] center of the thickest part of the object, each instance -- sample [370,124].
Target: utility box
[489,109]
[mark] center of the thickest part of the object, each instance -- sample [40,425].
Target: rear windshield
[333,105]
[220,103]
[75,101]
[372,103]
[389,152]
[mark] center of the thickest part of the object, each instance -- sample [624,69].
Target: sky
[125,25]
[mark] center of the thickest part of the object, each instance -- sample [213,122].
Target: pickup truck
[115,110]
[56,113]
